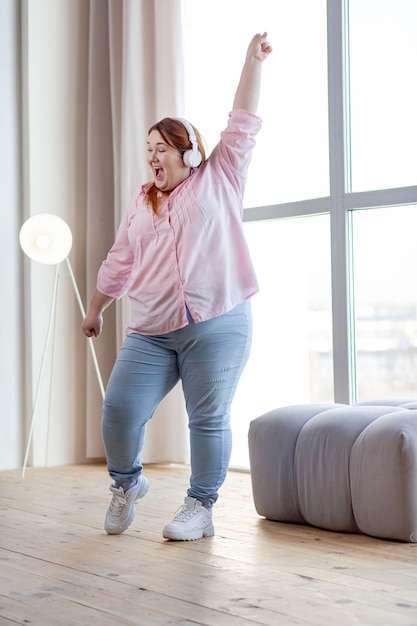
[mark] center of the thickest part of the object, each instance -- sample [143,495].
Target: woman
[181,257]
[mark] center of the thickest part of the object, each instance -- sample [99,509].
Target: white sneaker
[193,521]
[122,509]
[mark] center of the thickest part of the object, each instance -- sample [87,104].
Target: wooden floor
[58,567]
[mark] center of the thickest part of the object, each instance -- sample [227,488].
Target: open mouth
[158,173]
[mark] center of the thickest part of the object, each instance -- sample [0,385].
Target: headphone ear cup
[192,158]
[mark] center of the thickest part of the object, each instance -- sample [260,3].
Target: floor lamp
[47,239]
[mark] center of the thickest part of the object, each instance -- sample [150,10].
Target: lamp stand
[51,327]
[90,339]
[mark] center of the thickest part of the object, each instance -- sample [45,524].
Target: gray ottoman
[338,467]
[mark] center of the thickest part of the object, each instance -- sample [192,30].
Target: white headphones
[191,158]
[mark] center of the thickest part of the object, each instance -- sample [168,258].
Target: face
[168,168]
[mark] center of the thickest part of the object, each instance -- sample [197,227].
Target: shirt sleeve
[114,276]
[237,142]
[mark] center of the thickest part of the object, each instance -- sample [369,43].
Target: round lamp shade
[46,238]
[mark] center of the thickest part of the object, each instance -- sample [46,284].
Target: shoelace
[185,514]
[117,504]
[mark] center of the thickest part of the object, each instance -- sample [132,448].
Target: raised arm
[248,89]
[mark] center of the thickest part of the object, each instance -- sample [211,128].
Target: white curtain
[88,78]
[135,78]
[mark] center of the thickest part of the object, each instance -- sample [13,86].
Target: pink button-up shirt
[193,253]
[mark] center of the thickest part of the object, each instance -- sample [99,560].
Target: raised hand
[259,47]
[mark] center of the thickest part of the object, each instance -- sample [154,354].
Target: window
[383,93]
[291,360]
[385,296]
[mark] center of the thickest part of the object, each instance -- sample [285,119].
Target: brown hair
[175,135]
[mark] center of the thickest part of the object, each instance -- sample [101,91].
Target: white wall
[11,336]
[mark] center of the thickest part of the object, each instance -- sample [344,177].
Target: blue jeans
[208,358]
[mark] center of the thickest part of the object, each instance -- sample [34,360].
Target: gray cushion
[272,441]
[383,474]
[338,467]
